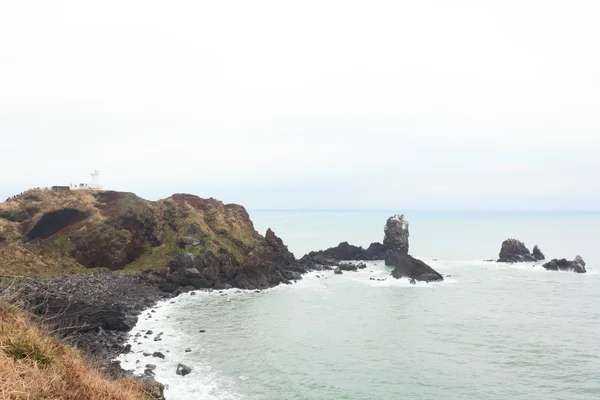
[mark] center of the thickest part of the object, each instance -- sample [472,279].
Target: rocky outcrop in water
[577,265]
[395,242]
[346,252]
[407,266]
[514,251]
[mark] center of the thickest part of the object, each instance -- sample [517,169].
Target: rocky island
[514,251]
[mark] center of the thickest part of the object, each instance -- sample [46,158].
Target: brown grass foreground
[35,365]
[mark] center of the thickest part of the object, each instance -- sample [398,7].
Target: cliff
[49,233]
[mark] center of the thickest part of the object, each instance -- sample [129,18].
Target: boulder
[513,251]
[181,262]
[337,271]
[347,267]
[182,242]
[183,370]
[410,267]
[158,354]
[577,265]
[396,234]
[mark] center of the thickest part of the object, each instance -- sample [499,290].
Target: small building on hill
[60,188]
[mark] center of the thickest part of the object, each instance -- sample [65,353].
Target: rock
[396,235]
[514,250]
[158,354]
[347,267]
[202,330]
[361,265]
[408,266]
[126,349]
[192,273]
[375,251]
[149,332]
[345,252]
[188,350]
[577,265]
[537,253]
[182,242]
[337,271]
[183,370]
[151,367]
[412,281]
[395,242]
[181,262]
[192,293]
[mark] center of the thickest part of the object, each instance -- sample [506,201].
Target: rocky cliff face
[47,232]
[396,234]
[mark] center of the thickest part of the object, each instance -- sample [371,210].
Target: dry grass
[35,365]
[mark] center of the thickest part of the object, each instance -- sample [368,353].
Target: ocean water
[489,331]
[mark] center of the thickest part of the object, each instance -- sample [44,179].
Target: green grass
[23,350]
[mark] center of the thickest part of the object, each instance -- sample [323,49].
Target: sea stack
[395,243]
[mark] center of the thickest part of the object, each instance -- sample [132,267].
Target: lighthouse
[95,185]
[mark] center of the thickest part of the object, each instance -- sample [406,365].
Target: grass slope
[35,365]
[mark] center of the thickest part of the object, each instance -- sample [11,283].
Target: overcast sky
[307,104]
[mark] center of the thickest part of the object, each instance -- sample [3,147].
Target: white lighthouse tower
[95,185]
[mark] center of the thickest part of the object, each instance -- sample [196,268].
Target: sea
[488,331]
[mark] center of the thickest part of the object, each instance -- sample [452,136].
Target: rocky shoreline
[93,311]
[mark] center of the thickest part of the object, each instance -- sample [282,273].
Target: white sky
[307,104]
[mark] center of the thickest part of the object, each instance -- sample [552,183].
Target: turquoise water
[489,331]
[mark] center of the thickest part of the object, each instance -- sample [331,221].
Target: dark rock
[408,266]
[577,265]
[151,367]
[202,330]
[347,267]
[183,370]
[537,253]
[361,265]
[337,271]
[513,251]
[146,354]
[412,281]
[188,350]
[180,263]
[396,234]
[158,354]
[396,245]
[265,265]
[345,252]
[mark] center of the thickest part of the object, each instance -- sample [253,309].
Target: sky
[430,104]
